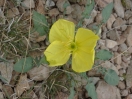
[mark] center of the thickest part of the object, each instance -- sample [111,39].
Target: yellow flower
[64,43]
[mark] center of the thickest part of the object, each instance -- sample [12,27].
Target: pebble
[103,3]
[61,8]
[118,60]
[130,20]
[113,35]
[119,8]
[98,18]
[106,91]
[128,14]
[128,4]
[124,92]
[118,22]
[110,43]
[2,3]
[129,37]
[110,21]
[53,12]
[39,73]
[129,96]
[121,85]
[77,13]
[26,4]
[12,12]
[122,47]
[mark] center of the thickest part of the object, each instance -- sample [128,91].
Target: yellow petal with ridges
[57,53]
[62,30]
[83,57]
[82,61]
[86,39]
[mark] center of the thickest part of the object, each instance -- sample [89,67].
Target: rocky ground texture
[116,36]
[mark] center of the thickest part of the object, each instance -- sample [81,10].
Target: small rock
[115,48]
[12,12]
[53,12]
[129,75]
[60,6]
[22,85]
[7,90]
[110,43]
[1,95]
[124,65]
[118,60]
[98,18]
[113,35]
[121,85]
[128,14]
[129,37]
[39,73]
[6,71]
[82,2]
[103,3]
[40,7]
[69,9]
[130,50]
[77,13]
[122,47]
[121,72]
[118,22]
[124,27]
[124,92]
[94,79]
[110,21]
[128,4]
[103,88]
[129,96]
[49,3]
[119,8]
[93,73]
[26,4]
[123,37]
[130,20]
[2,3]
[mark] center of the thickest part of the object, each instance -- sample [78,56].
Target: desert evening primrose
[64,43]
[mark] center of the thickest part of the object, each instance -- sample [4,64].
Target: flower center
[73,46]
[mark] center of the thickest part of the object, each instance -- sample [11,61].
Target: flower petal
[62,30]
[86,39]
[82,61]
[57,53]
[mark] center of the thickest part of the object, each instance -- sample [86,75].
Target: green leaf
[72,91]
[88,9]
[107,12]
[40,23]
[3,79]
[43,60]
[24,65]
[111,77]
[91,90]
[104,54]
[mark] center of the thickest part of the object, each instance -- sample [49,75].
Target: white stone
[110,21]
[110,43]
[106,91]
[39,73]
